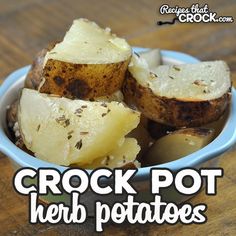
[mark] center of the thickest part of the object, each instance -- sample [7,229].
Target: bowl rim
[219,145]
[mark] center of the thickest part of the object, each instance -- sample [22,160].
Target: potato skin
[171,111]
[12,119]
[83,81]
[34,76]
[11,115]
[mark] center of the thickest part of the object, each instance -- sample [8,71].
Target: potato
[64,131]
[90,62]
[180,96]
[34,76]
[178,144]
[152,57]
[157,130]
[123,156]
[143,138]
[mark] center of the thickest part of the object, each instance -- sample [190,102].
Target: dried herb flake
[84,133]
[38,127]
[63,121]
[124,159]
[79,144]
[104,105]
[176,68]
[107,160]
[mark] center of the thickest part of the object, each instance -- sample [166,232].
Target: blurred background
[26,26]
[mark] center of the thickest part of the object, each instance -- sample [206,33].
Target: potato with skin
[90,62]
[174,112]
[179,96]
[178,144]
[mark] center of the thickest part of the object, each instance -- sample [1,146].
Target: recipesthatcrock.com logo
[193,14]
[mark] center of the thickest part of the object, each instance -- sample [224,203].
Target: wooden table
[26,26]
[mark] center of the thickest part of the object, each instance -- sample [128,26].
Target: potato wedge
[64,131]
[179,96]
[178,144]
[90,62]
[121,156]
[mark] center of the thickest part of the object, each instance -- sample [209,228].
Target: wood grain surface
[26,26]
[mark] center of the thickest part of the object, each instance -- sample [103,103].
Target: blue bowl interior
[219,145]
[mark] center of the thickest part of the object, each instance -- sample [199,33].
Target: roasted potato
[34,76]
[90,62]
[179,96]
[64,131]
[178,144]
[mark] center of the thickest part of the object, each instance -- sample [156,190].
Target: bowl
[205,157]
